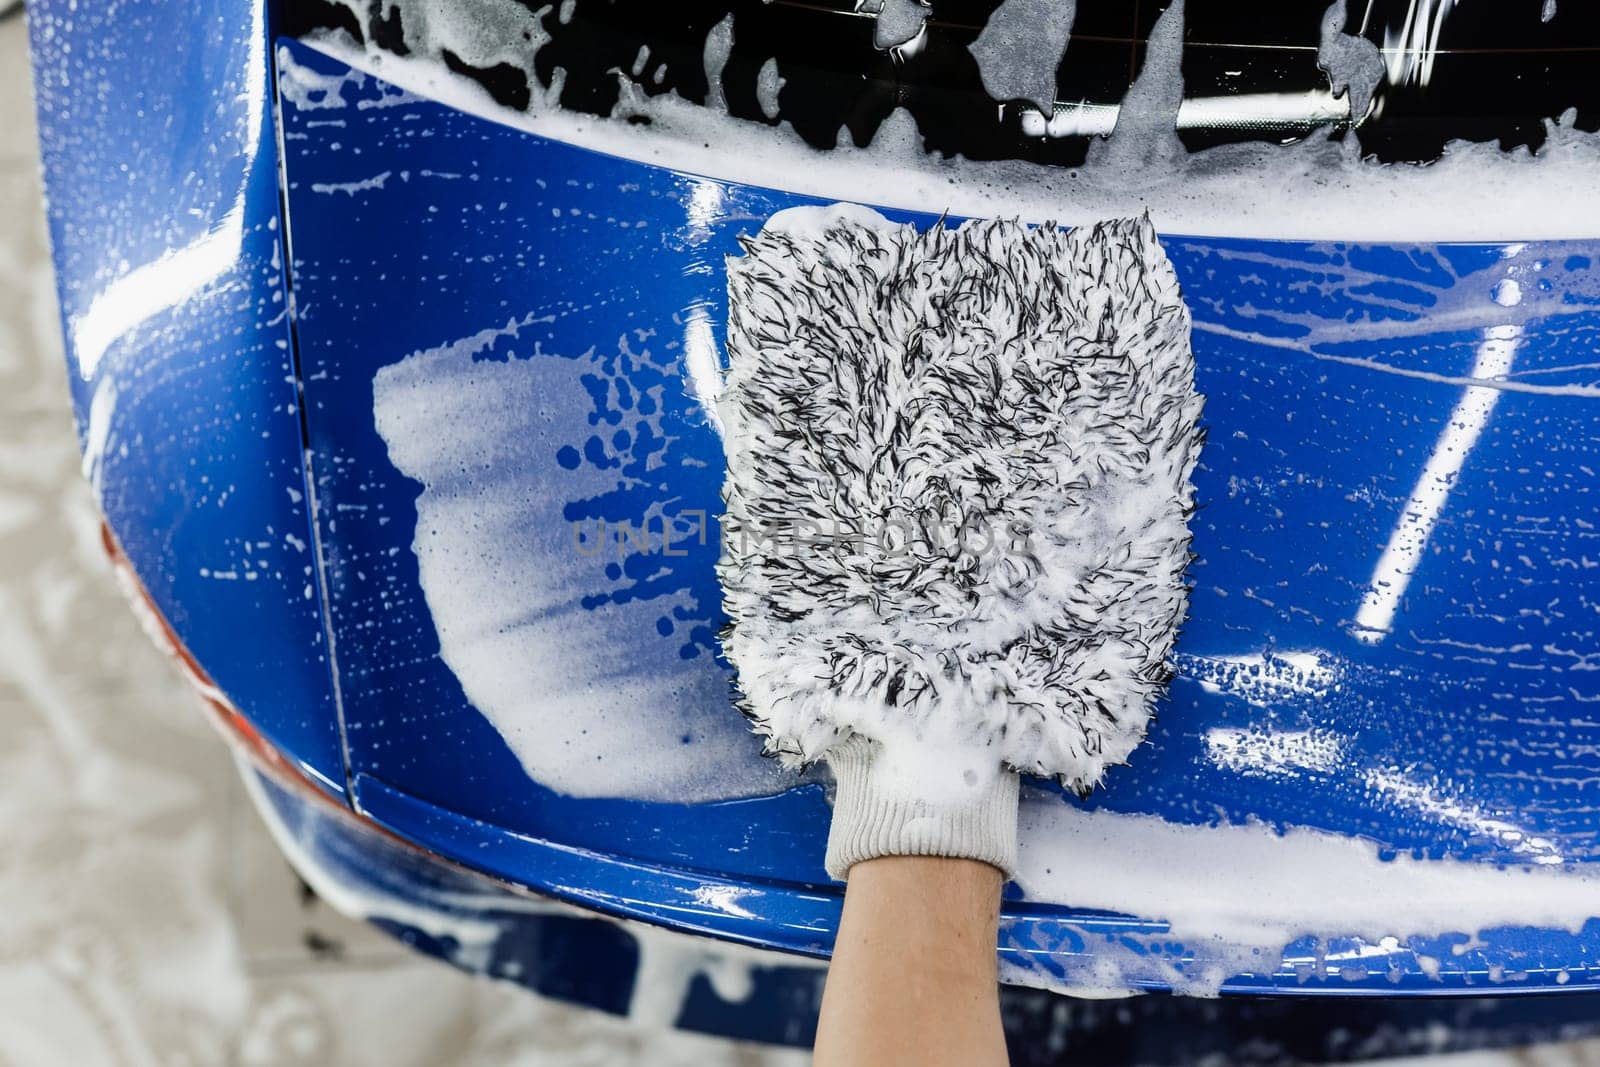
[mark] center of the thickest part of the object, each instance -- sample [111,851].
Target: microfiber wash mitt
[957,503]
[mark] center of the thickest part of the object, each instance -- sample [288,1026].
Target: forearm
[913,979]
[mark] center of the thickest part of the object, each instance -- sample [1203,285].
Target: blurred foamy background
[145,915]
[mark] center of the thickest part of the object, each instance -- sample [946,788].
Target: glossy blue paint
[160,166]
[1464,726]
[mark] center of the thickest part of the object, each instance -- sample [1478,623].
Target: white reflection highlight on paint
[1384,947]
[703,209]
[1262,679]
[702,364]
[1409,539]
[725,898]
[1273,753]
[146,291]
[97,435]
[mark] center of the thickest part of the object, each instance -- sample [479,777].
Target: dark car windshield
[1042,80]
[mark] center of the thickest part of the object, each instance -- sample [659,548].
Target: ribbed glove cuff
[869,821]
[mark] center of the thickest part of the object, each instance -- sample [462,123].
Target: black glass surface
[1474,70]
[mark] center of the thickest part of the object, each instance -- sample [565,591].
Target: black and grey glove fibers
[957,504]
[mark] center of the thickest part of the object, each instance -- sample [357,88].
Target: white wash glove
[957,504]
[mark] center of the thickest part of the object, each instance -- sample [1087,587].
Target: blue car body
[239,265]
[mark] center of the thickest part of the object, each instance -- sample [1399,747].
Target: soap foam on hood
[1314,189]
[587,690]
[1021,46]
[1237,896]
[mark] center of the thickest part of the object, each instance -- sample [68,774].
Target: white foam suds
[719,44]
[1020,48]
[898,21]
[769,83]
[1314,189]
[1246,892]
[1353,64]
[351,188]
[812,221]
[594,701]
[479,33]
[307,89]
[1144,144]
